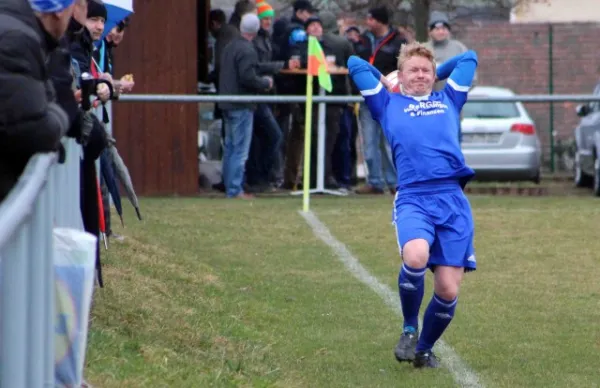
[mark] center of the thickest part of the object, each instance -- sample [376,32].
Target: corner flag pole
[307,140]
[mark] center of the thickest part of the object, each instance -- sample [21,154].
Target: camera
[122,24]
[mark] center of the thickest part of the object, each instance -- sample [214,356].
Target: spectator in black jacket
[241,8]
[81,52]
[380,45]
[291,32]
[223,34]
[82,46]
[286,34]
[341,159]
[263,168]
[61,73]
[30,120]
[352,33]
[239,76]
[263,42]
[338,50]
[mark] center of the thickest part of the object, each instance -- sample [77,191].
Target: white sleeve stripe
[372,92]
[457,87]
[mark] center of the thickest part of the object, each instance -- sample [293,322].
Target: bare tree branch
[450,6]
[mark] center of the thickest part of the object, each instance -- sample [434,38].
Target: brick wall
[516,56]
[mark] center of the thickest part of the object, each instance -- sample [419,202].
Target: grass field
[210,292]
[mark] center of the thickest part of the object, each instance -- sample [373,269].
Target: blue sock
[411,284]
[437,317]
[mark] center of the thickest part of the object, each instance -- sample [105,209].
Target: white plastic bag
[74,271]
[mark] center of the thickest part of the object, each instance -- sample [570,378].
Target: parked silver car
[587,138]
[499,139]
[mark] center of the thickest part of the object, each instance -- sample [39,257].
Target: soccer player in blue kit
[434,224]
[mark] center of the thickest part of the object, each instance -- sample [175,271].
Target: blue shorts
[440,214]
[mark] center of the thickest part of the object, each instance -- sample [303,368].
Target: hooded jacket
[30,122]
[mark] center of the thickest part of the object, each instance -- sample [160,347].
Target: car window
[490,110]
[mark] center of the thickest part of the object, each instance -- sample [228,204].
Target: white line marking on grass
[462,374]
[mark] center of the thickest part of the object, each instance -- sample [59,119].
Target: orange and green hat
[264,10]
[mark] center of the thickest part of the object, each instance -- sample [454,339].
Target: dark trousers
[295,143]
[265,156]
[344,154]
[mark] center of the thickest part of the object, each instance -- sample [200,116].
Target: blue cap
[49,6]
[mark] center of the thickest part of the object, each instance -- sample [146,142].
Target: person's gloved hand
[87,123]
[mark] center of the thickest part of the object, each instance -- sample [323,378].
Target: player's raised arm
[368,80]
[460,71]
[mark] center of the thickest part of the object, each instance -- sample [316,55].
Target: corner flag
[317,66]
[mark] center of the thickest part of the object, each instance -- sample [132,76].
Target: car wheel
[580,178]
[537,177]
[596,185]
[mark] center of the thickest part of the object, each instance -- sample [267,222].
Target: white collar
[419,98]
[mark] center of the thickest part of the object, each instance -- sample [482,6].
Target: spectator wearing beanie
[265,159]
[441,42]
[83,47]
[239,76]
[263,41]
[96,18]
[82,53]
[380,46]
[444,48]
[264,10]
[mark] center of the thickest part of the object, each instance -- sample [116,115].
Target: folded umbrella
[122,173]
[108,173]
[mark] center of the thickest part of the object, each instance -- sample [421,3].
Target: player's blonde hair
[415,49]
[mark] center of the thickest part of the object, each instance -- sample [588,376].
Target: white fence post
[27,278]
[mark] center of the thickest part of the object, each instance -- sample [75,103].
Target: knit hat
[96,9]
[311,20]
[249,24]
[303,5]
[380,14]
[264,10]
[50,6]
[438,19]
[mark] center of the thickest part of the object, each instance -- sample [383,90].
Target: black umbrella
[108,173]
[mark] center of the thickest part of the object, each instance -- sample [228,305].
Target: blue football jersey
[421,131]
